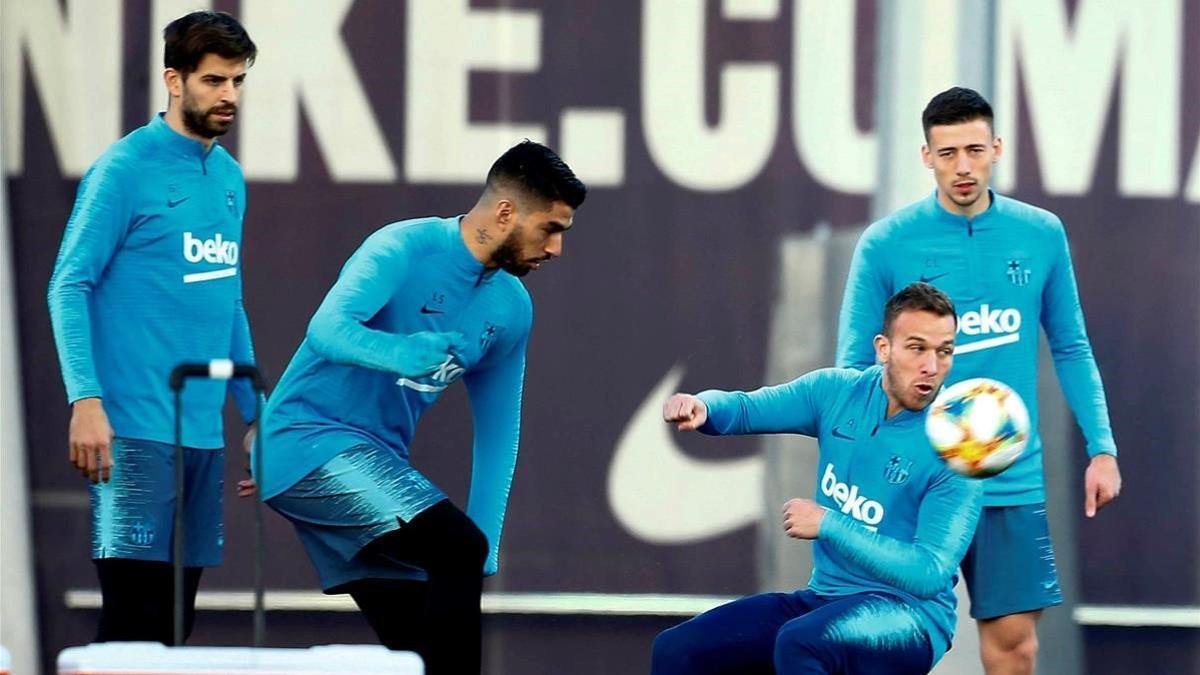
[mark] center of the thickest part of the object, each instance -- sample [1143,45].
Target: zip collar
[178,144]
[939,212]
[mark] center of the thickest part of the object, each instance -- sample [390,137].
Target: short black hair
[955,106]
[917,297]
[187,39]
[539,172]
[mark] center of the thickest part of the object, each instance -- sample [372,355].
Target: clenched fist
[802,518]
[423,353]
[686,411]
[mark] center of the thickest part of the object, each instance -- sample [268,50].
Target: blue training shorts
[1009,568]
[348,502]
[799,632]
[133,514]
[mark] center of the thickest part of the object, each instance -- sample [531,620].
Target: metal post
[220,369]
[260,618]
[177,532]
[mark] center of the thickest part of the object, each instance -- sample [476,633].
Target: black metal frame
[219,370]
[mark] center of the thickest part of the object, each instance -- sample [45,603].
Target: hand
[802,518]
[90,440]
[423,353]
[686,410]
[1101,483]
[248,487]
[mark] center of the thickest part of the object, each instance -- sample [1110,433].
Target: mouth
[964,186]
[224,115]
[924,389]
[536,264]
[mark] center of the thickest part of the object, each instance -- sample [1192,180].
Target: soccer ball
[978,426]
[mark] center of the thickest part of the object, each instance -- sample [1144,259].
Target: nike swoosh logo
[838,433]
[925,279]
[661,495]
[989,343]
[172,203]
[426,310]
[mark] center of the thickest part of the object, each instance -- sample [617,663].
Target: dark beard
[506,256]
[196,121]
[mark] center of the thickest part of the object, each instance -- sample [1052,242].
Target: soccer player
[149,276]
[1007,266]
[421,304]
[889,524]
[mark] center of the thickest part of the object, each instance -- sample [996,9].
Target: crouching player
[889,524]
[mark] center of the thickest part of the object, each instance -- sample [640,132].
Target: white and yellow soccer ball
[978,426]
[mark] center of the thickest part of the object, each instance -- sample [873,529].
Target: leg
[1011,576]
[137,600]
[863,633]
[451,549]
[1008,645]
[395,609]
[132,519]
[367,519]
[738,637]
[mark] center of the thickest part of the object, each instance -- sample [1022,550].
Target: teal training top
[148,277]
[349,382]
[898,521]
[1007,270]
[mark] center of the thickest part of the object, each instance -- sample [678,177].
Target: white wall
[18,621]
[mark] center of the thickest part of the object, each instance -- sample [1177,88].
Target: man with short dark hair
[421,304]
[889,524]
[149,276]
[1008,267]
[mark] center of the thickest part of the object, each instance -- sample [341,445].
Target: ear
[173,79]
[926,156]
[506,214]
[883,349]
[997,149]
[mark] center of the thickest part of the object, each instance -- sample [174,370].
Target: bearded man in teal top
[149,275]
[889,523]
[420,305]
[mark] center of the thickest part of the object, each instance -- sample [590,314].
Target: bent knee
[796,642]
[1023,649]
[675,650]
[1015,645]
[464,545]
[475,545]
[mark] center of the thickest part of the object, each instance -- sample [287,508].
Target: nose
[962,166]
[929,363]
[229,92]
[554,245]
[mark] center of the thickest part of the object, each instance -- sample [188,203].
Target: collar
[939,212]
[176,142]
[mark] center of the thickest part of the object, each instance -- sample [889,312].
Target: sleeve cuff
[832,526]
[82,394]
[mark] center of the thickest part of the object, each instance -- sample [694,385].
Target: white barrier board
[137,658]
